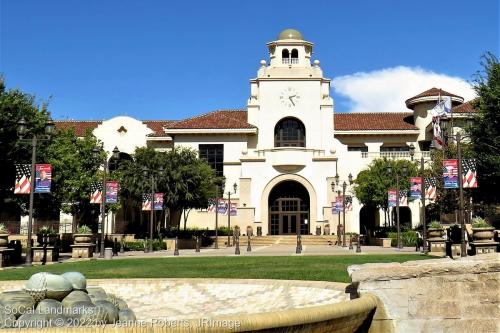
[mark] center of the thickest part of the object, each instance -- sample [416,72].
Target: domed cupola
[290,50]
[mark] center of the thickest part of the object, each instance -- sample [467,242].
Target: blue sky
[170,60]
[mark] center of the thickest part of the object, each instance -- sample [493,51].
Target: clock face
[289,97]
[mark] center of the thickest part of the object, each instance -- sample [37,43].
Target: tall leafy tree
[485,131]
[14,105]
[372,184]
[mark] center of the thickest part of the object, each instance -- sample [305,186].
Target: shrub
[479,222]
[408,238]
[46,230]
[3,229]
[84,229]
[436,225]
[139,245]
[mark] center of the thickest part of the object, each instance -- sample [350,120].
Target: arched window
[285,54]
[289,132]
[295,54]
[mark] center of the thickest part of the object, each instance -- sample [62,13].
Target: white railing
[395,154]
[289,60]
[262,152]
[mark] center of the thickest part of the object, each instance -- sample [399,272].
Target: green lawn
[321,268]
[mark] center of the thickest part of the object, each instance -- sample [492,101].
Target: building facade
[285,149]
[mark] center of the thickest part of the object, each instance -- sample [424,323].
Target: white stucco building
[284,150]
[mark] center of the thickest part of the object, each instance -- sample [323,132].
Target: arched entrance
[368,220]
[405,217]
[289,209]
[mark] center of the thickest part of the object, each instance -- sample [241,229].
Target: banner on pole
[158,201]
[450,173]
[391,198]
[96,195]
[348,202]
[469,173]
[403,198]
[43,178]
[430,188]
[111,191]
[416,187]
[23,179]
[146,201]
[337,206]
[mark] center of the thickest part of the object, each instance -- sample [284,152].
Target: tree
[187,181]
[485,131]
[74,168]
[14,105]
[372,184]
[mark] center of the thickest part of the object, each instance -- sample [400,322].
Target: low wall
[438,295]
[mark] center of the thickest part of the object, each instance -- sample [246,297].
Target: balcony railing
[395,154]
[290,60]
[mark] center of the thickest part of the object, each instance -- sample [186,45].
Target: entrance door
[288,209]
[288,224]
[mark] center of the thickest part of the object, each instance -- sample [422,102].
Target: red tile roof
[220,119]
[431,92]
[158,126]
[465,108]
[80,126]
[373,121]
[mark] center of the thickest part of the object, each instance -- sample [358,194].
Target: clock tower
[289,86]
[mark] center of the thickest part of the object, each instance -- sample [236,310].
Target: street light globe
[116,153]
[49,126]
[235,187]
[21,127]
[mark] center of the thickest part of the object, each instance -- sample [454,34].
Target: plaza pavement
[268,250]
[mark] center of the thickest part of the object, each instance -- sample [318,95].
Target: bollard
[350,242]
[249,246]
[358,246]
[146,247]
[237,244]
[197,244]
[115,247]
[298,249]
[122,247]
[176,249]
[108,253]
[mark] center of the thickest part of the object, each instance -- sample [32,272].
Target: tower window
[295,56]
[214,155]
[289,132]
[285,56]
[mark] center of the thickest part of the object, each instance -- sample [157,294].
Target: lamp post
[389,171]
[22,130]
[216,216]
[344,187]
[151,173]
[422,196]
[235,187]
[338,213]
[116,154]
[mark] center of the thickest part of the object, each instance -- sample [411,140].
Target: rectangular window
[357,148]
[214,155]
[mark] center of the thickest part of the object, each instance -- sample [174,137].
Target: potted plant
[4,235]
[481,230]
[46,235]
[327,229]
[435,230]
[83,235]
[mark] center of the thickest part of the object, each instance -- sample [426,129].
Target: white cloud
[386,90]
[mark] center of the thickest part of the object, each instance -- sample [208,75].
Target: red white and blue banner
[469,173]
[392,198]
[146,201]
[430,188]
[337,206]
[348,202]
[111,191]
[416,187]
[23,179]
[158,201]
[43,178]
[403,198]
[96,195]
[450,173]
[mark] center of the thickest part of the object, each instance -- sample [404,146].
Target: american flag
[469,173]
[403,198]
[430,188]
[23,179]
[348,202]
[211,205]
[146,201]
[96,195]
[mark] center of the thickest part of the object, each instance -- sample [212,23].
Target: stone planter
[82,238]
[435,233]
[4,240]
[484,234]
